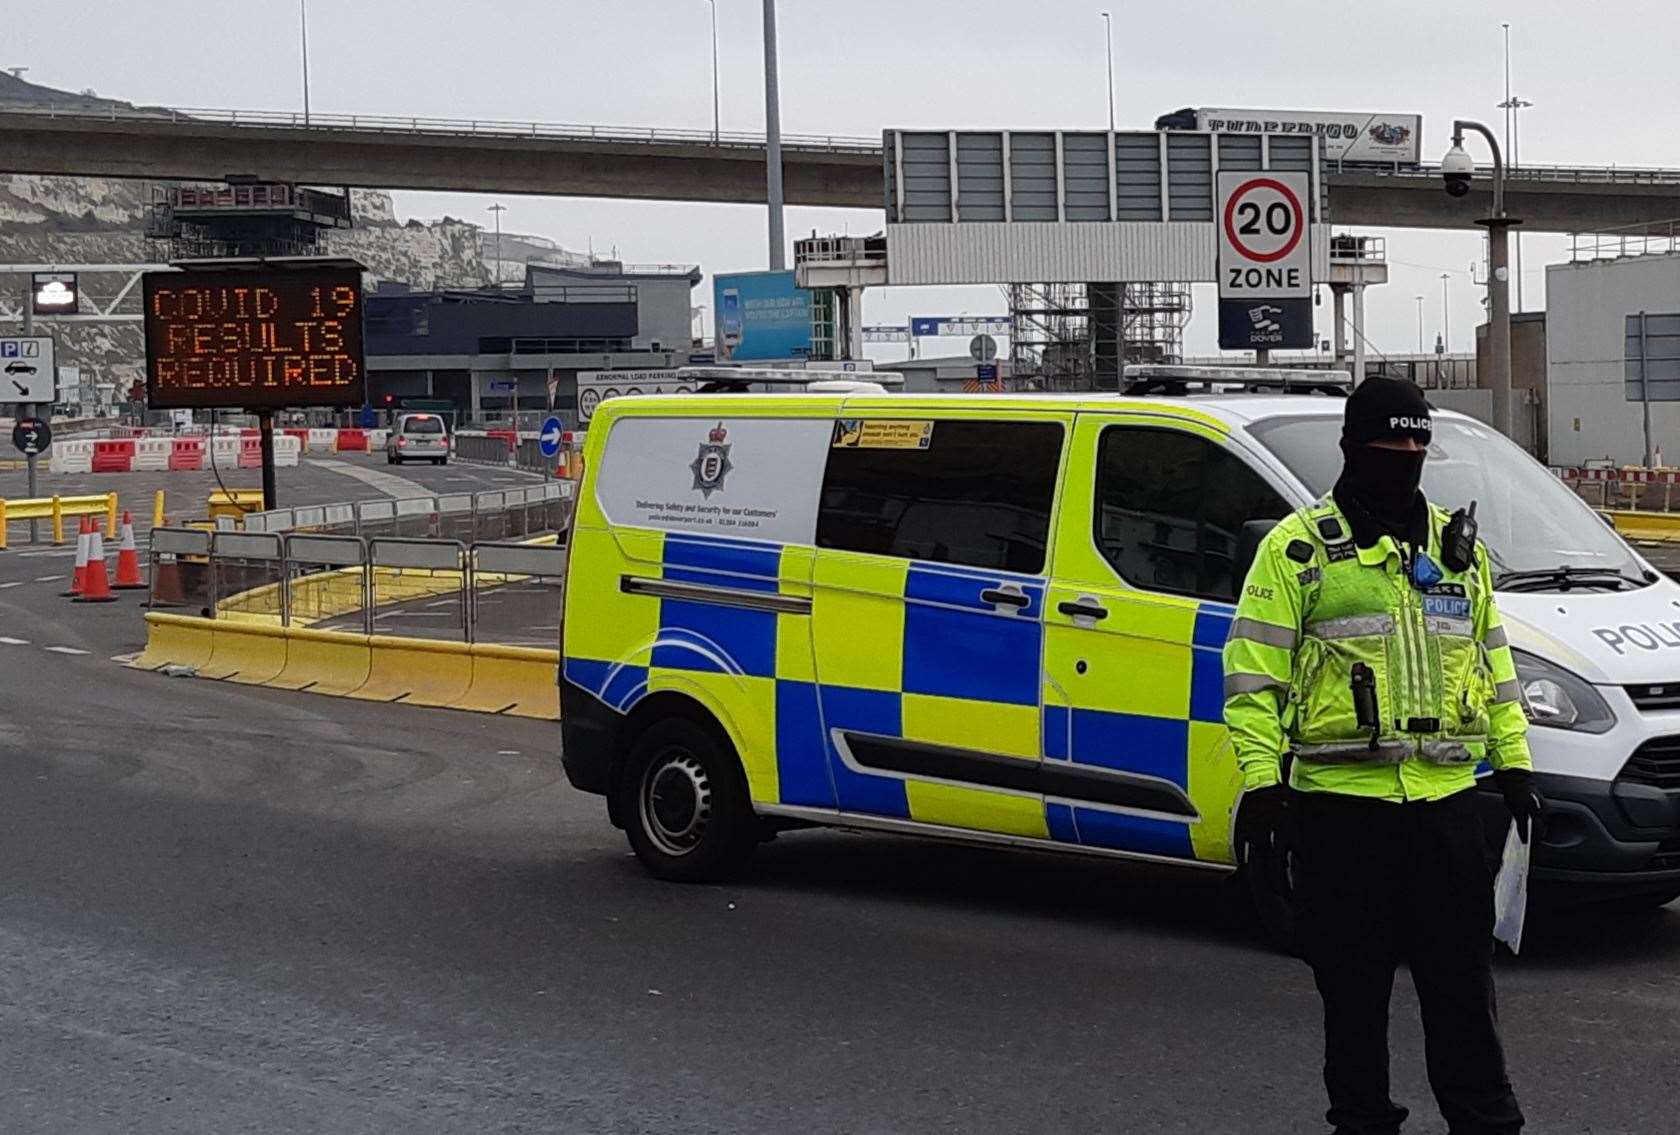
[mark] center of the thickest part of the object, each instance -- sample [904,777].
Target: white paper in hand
[1510,892]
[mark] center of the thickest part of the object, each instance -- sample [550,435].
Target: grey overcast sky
[1602,77]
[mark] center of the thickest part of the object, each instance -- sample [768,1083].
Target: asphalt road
[227,909]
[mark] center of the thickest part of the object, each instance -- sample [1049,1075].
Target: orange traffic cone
[78,574]
[128,560]
[96,588]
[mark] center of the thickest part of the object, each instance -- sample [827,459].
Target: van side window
[1170,508]
[980,494]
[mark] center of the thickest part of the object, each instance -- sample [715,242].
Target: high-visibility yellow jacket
[1320,616]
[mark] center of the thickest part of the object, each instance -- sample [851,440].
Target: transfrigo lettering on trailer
[1643,636]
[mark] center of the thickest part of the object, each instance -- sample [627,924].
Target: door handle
[1080,610]
[1009,598]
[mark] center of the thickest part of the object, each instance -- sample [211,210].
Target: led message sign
[254,339]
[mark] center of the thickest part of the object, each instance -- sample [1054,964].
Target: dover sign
[1265,261]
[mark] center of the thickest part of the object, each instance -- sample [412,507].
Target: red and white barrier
[323,441]
[151,454]
[74,456]
[352,441]
[186,453]
[113,455]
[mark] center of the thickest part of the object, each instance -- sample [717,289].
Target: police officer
[1367,655]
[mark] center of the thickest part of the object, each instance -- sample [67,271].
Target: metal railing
[497,514]
[420,124]
[499,592]
[656,135]
[1612,175]
[1657,238]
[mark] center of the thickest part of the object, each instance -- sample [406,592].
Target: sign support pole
[30,411]
[265,430]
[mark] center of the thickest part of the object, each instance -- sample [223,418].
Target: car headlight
[1554,697]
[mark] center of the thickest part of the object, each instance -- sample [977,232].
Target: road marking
[445,603]
[388,483]
[14,641]
[48,578]
[61,553]
[11,583]
[65,650]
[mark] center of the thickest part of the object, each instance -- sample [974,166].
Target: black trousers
[1378,882]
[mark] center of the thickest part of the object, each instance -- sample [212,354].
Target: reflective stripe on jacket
[1314,608]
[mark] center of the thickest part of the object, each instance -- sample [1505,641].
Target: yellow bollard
[2,524]
[58,520]
[157,509]
[110,516]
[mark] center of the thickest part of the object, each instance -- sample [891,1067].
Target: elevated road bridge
[393,152]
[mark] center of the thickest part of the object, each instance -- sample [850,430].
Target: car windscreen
[422,426]
[1530,521]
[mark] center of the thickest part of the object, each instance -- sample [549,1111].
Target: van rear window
[977,493]
[422,425]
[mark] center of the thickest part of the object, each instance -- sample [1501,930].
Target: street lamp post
[1512,106]
[303,35]
[773,140]
[717,117]
[1446,313]
[1420,323]
[1108,40]
[1457,169]
[497,210]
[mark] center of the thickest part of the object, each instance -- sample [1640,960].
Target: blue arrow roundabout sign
[550,436]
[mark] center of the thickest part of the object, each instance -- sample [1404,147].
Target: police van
[1000,618]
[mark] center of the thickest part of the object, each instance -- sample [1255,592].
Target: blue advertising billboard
[761,316]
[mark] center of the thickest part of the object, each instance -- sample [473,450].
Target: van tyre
[685,804]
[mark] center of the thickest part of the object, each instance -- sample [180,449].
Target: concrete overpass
[387,152]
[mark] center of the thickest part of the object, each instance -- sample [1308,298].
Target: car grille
[1655,696]
[1656,762]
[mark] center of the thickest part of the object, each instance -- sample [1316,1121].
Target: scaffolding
[1079,336]
[195,222]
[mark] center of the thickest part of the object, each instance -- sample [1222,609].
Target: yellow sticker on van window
[882,433]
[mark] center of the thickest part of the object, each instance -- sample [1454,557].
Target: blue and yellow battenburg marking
[904,650]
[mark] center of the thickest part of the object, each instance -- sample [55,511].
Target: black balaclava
[1378,488]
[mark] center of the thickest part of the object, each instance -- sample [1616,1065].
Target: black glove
[1527,806]
[1271,813]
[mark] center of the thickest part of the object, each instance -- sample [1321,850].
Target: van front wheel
[685,803]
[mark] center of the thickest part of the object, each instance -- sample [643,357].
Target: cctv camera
[1456,171]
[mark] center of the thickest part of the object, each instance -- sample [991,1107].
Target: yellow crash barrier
[55,509]
[251,654]
[483,678]
[416,671]
[324,662]
[234,504]
[174,640]
[516,680]
[1638,525]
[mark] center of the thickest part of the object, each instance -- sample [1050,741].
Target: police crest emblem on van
[712,465]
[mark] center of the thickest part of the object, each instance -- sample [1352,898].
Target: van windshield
[1540,535]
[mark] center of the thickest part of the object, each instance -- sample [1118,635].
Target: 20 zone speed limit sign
[1265,260]
[1263,246]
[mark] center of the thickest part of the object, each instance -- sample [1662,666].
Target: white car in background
[418,437]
